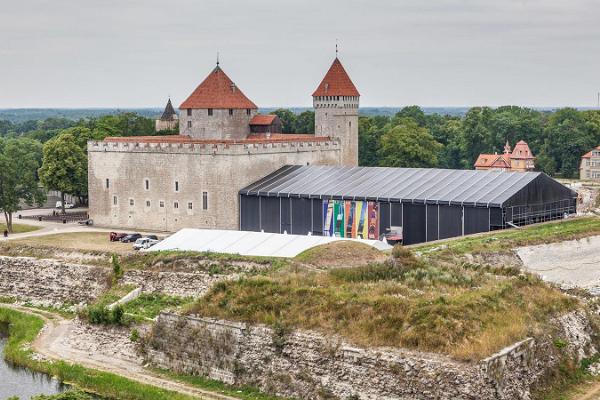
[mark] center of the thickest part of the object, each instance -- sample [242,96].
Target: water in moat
[22,382]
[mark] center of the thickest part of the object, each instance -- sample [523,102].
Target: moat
[22,382]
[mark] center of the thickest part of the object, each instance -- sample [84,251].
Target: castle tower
[168,119]
[336,111]
[216,109]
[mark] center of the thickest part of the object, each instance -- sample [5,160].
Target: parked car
[86,222]
[153,237]
[67,204]
[116,236]
[393,235]
[132,237]
[144,243]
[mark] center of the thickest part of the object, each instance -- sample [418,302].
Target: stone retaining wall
[308,365]
[50,282]
[183,284]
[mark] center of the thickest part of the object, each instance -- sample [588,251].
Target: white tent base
[249,243]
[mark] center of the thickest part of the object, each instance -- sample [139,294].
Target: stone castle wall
[220,170]
[219,125]
[308,365]
[48,282]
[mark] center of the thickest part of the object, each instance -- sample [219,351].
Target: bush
[117,269]
[102,315]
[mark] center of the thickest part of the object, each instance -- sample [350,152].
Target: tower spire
[336,48]
[217,58]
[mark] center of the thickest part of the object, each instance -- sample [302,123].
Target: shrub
[135,335]
[117,269]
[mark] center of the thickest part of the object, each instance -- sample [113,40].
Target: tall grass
[462,311]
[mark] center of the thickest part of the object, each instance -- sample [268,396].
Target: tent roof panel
[488,188]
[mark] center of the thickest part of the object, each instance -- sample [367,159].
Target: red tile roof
[336,82]
[589,153]
[219,92]
[252,138]
[522,151]
[262,119]
[493,160]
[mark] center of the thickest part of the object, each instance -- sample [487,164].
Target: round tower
[336,103]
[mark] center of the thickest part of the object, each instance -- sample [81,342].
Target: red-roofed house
[519,159]
[590,165]
[265,124]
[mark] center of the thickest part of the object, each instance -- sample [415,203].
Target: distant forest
[407,137]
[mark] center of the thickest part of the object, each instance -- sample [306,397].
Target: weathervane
[336,48]
[217,58]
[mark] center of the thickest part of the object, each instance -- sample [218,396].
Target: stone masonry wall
[182,284]
[49,282]
[308,365]
[219,170]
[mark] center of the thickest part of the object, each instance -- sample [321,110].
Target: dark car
[153,237]
[132,237]
[394,235]
[116,236]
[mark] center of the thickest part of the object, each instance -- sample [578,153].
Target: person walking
[6,234]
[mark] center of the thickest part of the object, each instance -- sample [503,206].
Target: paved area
[574,263]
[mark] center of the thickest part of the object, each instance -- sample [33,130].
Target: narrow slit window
[205,200]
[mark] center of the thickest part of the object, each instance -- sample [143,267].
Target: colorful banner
[351,219]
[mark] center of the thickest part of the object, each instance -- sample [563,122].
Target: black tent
[428,204]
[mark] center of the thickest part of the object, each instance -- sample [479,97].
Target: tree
[408,145]
[305,122]
[288,120]
[64,167]
[569,137]
[413,112]
[370,130]
[19,162]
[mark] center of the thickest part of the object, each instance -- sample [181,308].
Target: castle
[192,179]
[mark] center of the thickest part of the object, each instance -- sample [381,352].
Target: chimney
[232,87]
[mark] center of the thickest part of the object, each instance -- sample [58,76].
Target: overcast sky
[135,53]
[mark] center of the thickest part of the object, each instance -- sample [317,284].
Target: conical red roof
[219,92]
[336,82]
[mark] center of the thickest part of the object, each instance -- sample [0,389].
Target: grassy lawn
[507,239]
[465,311]
[341,254]
[149,305]
[80,241]
[20,228]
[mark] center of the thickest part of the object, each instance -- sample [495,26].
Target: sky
[136,53]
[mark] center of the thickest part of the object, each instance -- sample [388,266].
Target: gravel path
[55,341]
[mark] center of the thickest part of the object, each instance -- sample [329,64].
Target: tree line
[37,156]
[51,154]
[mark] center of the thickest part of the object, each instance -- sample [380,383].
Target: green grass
[20,228]
[24,328]
[174,259]
[243,392]
[507,239]
[149,305]
[466,311]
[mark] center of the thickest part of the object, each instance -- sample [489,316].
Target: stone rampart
[306,364]
[48,282]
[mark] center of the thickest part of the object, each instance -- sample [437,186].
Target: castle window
[115,200]
[247,111]
[148,203]
[231,111]
[107,183]
[131,202]
[177,186]
[161,204]
[176,205]
[205,200]
[189,124]
[189,112]
[190,206]
[147,184]
[210,112]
